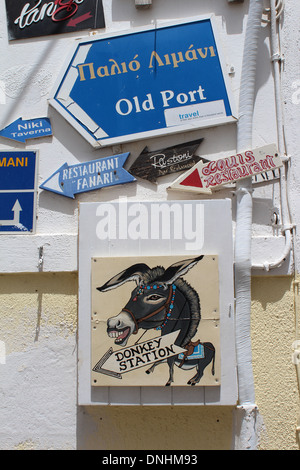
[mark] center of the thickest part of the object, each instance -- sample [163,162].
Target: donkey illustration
[164,301]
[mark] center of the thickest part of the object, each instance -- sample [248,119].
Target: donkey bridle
[152,314]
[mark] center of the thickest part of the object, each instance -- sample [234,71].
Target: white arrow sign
[16,219]
[139,355]
[205,177]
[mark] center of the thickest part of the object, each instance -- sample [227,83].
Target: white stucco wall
[45,363]
[28,73]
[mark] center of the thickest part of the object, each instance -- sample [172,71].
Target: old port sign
[135,85]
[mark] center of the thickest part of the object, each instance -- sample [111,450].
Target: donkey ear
[134,273]
[178,269]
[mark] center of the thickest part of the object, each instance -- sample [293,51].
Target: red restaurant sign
[204,177]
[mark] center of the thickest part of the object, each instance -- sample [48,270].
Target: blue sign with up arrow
[17,191]
[69,180]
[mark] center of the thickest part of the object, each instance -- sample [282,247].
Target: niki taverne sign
[21,130]
[205,177]
[151,165]
[30,18]
[145,83]
[69,180]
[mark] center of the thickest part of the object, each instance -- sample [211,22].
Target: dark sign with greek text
[151,165]
[31,18]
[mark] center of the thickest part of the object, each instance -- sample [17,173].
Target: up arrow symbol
[16,210]
[16,219]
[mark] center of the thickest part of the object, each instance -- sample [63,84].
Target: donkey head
[150,302]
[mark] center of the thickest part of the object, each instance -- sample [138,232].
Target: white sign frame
[214,236]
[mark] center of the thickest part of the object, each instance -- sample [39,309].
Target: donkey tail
[213,364]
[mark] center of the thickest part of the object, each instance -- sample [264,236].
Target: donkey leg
[171,363]
[151,369]
[197,377]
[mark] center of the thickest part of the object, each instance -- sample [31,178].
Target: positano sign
[151,82]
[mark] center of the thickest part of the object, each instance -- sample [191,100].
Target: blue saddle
[198,353]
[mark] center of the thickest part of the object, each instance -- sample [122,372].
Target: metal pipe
[246,413]
[274,11]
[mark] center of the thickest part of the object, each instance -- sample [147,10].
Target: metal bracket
[143,3]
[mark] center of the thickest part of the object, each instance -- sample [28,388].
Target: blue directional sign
[21,130]
[69,180]
[18,170]
[145,83]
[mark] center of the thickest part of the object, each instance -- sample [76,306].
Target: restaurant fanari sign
[156,81]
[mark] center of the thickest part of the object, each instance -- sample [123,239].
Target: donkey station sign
[140,84]
[147,318]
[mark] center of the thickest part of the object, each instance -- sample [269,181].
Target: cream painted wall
[38,379]
[38,319]
[273,333]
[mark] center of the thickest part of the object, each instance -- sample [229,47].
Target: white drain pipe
[275,10]
[246,414]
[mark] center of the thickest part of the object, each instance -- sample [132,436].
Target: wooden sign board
[205,177]
[151,313]
[152,164]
